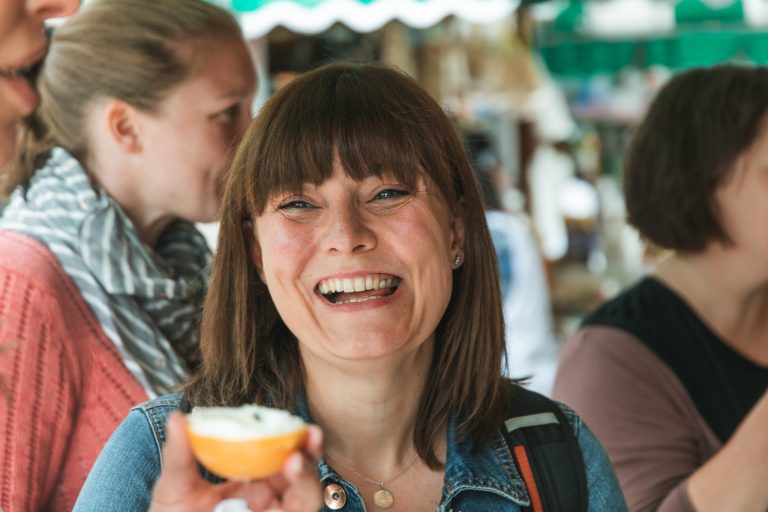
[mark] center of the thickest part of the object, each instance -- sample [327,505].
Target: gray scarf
[147,301]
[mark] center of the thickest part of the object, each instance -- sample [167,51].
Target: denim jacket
[130,463]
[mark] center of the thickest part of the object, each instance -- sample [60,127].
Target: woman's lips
[20,78]
[27,94]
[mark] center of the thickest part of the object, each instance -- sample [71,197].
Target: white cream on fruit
[242,423]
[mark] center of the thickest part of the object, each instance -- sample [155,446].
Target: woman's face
[359,270]
[186,144]
[23,44]
[743,198]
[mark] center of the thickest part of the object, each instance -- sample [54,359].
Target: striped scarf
[147,301]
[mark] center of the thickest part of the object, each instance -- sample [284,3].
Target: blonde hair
[378,120]
[132,50]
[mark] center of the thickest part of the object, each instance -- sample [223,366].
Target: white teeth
[356,299]
[357,284]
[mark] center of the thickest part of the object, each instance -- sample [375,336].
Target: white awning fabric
[315,16]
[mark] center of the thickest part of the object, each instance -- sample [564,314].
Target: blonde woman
[102,271]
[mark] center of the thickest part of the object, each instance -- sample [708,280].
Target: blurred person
[531,344]
[22,47]
[103,273]
[672,373]
[354,283]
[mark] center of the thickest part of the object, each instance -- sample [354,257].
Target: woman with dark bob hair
[355,284]
[672,373]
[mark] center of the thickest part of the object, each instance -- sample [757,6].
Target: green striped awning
[589,37]
[259,17]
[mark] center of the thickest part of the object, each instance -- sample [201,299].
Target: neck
[726,292]
[117,177]
[368,410]
[149,226]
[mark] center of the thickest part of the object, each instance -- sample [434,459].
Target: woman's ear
[458,231]
[122,122]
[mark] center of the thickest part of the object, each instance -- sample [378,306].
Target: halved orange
[246,459]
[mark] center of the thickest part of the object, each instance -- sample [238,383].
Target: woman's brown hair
[698,125]
[133,50]
[378,120]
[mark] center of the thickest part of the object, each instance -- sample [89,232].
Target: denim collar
[491,469]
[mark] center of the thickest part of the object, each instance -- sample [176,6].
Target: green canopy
[693,33]
[259,17]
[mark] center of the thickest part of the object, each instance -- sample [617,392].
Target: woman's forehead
[416,180]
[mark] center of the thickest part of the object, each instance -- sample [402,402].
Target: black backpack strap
[546,453]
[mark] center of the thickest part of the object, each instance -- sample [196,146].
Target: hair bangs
[373,121]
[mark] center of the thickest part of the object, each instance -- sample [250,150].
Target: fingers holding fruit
[269,457]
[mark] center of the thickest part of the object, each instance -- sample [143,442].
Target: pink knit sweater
[64,385]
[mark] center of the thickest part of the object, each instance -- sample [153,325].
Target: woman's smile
[358,289]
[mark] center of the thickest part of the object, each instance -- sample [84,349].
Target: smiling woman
[103,270]
[355,285]
[23,44]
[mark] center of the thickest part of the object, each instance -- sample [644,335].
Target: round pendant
[383,498]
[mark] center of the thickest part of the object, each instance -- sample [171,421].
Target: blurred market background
[556,87]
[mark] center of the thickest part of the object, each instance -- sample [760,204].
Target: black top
[723,384]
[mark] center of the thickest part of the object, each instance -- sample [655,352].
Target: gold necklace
[383,497]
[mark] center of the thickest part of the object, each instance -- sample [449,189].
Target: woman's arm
[38,393]
[737,477]
[126,470]
[641,414]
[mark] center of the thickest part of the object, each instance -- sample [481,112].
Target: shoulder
[35,282]
[646,309]
[130,463]
[606,348]
[155,413]
[144,429]
[604,370]
[26,256]
[528,404]
[586,451]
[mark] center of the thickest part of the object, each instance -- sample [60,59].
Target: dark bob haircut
[378,120]
[699,124]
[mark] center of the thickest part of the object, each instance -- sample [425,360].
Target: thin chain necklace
[383,497]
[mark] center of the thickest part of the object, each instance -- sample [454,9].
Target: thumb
[180,475]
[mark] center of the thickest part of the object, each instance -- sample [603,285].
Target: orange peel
[252,458]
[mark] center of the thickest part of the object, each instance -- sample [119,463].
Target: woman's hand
[180,487]
[735,478]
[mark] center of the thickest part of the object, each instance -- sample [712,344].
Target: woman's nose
[347,232]
[44,9]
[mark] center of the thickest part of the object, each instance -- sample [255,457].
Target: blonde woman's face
[22,45]
[359,271]
[186,145]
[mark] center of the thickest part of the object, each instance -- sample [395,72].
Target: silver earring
[457,261]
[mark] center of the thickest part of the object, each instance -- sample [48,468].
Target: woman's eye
[391,193]
[296,204]
[229,114]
